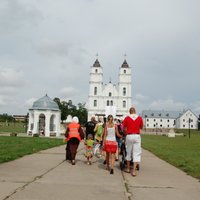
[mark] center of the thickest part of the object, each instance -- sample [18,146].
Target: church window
[95,90]
[109,94]
[108,103]
[124,71]
[96,70]
[124,104]
[111,103]
[124,91]
[95,103]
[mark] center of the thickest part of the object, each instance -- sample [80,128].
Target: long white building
[109,98]
[169,119]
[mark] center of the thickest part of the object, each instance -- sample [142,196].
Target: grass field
[12,148]
[17,127]
[182,152]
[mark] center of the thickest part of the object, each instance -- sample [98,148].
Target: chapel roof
[45,103]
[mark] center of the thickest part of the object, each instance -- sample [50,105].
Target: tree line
[66,108]
[6,118]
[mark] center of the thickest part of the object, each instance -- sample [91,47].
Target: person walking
[74,135]
[89,127]
[110,143]
[132,125]
[98,137]
[89,143]
[119,139]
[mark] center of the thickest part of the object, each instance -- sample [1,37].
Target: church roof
[45,103]
[125,64]
[96,63]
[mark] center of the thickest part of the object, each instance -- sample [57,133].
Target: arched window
[124,91]
[95,90]
[109,94]
[124,71]
[107,102]
[96,70]
[124,104]
[111,103]
[95,103]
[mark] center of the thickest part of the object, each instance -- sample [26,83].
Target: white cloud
[195,107]
[68,92]
[30,101]
[11,77]
[167,104]
[140,97]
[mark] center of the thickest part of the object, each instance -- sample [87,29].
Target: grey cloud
[54,44]
[167,104]
[11,77]
[50,48]
[16,14]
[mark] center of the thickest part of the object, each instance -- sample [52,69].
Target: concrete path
[46,175]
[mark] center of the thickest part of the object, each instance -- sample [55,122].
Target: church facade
[105,99]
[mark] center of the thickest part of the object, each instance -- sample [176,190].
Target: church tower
[124,87]
[96,87]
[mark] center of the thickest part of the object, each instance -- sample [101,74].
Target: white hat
[75,119]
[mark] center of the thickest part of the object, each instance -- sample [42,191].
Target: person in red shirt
[132,125]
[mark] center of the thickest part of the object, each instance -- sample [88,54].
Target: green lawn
[180,151]
[12,148]
[17,127]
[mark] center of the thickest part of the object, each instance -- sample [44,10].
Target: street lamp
[145,123]
[189,120]
[156,128]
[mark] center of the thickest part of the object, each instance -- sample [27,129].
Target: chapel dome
[45,103]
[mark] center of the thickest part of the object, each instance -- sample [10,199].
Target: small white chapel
[44,118]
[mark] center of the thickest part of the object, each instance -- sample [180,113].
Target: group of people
[106,136]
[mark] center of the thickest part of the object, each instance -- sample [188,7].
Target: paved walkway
[46,175]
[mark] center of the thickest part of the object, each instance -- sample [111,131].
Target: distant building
[169,119]
[20,118]
[109,98]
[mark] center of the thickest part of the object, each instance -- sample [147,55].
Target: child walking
[89,148]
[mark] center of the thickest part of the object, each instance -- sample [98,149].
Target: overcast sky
[48,46]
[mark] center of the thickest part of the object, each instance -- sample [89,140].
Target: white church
[105,99]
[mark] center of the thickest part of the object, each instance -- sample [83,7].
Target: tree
[67,108]
[6,118]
